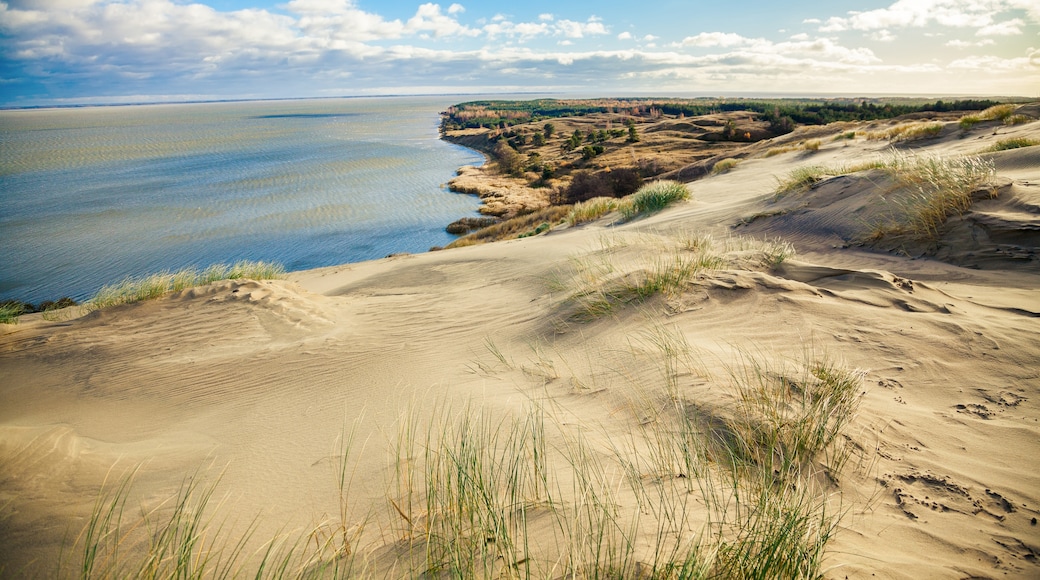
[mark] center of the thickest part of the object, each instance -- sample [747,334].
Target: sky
[55,52]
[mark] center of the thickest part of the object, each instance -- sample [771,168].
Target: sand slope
[255,381]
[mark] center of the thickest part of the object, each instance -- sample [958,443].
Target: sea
[92,195]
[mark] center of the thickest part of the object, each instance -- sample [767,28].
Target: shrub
[468,224]
[609,183]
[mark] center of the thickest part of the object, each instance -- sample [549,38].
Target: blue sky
[100,51]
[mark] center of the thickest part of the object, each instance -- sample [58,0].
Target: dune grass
[799,179]
[592,209]
[808,145]
[907,132]
[653,197]
[728,491]
[157,285]
[1011,143]
[724,165]
[10,311]
[939,188]
[602,283]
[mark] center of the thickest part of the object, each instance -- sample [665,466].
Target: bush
[468,224]
[586,185]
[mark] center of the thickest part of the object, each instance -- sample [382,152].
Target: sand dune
[251,384]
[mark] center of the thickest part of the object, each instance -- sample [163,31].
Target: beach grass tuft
[939,188]
[157,285]
[592,209]
[907,132]
[1011,143]
[10,311]
[799,179]
[653,197]
[724,165]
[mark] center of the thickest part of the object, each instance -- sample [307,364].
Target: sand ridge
[254,382]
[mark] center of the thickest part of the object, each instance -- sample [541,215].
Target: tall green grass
[653,197]
[135,289]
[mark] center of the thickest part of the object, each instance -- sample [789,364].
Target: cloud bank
[59,50]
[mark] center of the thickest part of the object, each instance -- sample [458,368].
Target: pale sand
[256,380]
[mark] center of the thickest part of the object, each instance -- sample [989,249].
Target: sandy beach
[249,389]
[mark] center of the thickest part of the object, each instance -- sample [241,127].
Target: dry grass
[724,165]
[158,285]
[939,188]
[601,283]
[592,209]
[514,227]
[799,179]
[1011,143]
[907,132]
[809,145]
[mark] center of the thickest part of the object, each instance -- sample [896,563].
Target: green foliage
[781,114]
[654,197]
[10,311]
[633,135]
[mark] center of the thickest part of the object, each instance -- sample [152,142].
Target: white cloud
[573,29]
[967,44]
[1030,63]
[978,14]
[626,35]
[1007,28]
[546,17]
[882,36]
[712,39]
[429,18]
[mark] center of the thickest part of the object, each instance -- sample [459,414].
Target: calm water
[90,196]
